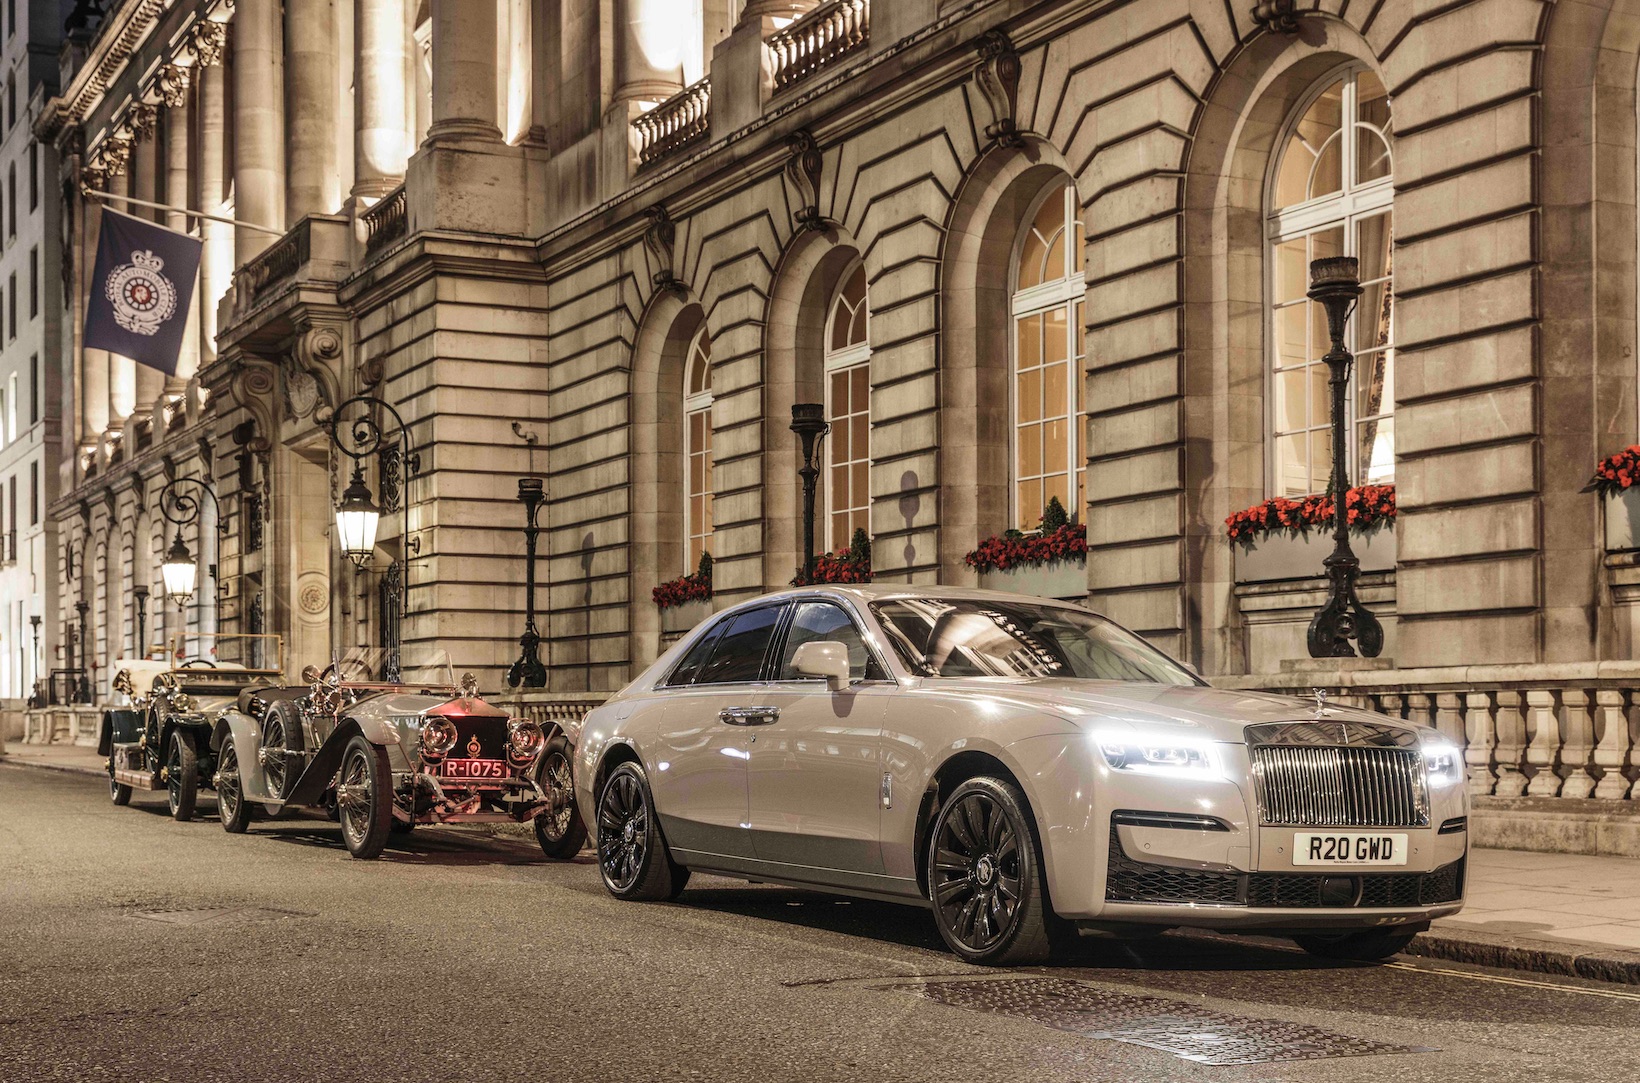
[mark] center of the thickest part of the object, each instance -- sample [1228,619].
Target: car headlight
[1159,754]
[1443,762]
[438,736]
[524,740]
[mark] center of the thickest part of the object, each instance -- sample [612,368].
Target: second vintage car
[384,745]
[1026,768]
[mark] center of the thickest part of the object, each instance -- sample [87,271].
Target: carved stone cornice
[1280,16]
[659,240]
[172,84]
[804,169]
[998,80]
[141,120]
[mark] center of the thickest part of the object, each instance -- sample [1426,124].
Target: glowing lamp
[180,572]
[356,520]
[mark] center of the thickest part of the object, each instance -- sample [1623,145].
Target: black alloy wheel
[1365,946]
[561,832]
[985,878]
[182,775]
[364,798]
[632,853]
[118,792]
[231,807]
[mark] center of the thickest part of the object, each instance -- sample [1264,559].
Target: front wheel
[118,792]
[231,806]
[632,853]
[985,877]
[562,833]
[364,798]
[1366,946]
[182,775]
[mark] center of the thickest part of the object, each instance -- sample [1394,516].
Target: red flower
[1369,508]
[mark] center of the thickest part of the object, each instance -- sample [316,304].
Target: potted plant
[1283,538]
[851,565]
[1614,479]
[1050,562]
[687,600]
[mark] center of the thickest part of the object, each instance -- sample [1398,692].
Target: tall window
[33,282]
[33,174]
[1048,353]
[848,409]
[697,437]
[1332,194]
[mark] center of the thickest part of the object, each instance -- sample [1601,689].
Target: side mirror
[310,674]
[824,658]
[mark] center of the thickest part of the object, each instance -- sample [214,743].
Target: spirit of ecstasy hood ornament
[1320,702]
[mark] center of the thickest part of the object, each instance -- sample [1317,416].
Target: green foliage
[704,572]
[1054,516]
[859,547]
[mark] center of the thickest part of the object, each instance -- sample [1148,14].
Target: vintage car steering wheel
[196,663]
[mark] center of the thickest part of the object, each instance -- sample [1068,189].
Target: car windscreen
[979,637]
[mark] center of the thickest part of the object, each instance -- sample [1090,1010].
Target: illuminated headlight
[1443,762]
[438,736]
[1179,757]
[524,740]
[180,702]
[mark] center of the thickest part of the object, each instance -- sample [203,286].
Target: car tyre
[1365,946]
[633,857]
[364,798]
[562,833]
[182,775]
[118,792]
[231,806]
[281,731]
[985,877]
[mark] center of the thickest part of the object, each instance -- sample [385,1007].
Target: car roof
[873,592]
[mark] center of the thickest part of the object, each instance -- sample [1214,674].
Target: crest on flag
[142,297]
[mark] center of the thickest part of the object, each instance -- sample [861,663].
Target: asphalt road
[135,948]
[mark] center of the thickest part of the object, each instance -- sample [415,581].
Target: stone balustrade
[565,709]
[386,222]
[66,725]
[313,250]
[679,121]
[818,40]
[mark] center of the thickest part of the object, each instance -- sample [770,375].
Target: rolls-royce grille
[1351,786]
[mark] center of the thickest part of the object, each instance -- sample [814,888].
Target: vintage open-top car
[385,743]
[162,739]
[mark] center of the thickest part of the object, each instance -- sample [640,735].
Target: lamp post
[809,423]
[34,623]
[140,594]
[358,515]
[180,571]
[1335,284]
[528,672]
[81,692]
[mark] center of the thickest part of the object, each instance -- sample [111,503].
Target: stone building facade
[1018,249]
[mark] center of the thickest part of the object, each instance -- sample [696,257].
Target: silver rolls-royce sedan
[1024,767]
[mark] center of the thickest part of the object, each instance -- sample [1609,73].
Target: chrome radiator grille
[1321,786]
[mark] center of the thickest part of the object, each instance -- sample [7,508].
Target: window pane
[1030,505]
[860,396]
[1030,342]
[696,657]
[1054,391]
[1292,270]
[1320,122]
[1290,410]
[1030,451]
[1292,334]
[1374,383]
[862,487]
[823,622]
[1328,175]
[738,656]
[1376,443]
[839,394]
[859,442]
[1055,336]
[1372,110]
[1055,450]
[1292,465]
[1030,395]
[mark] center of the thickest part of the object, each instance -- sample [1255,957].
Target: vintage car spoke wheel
[562,833]
[364,798]
[231,806]
[182,775]
[1367,945]
[281,733]
[984,876]
[632,852]
[118,792]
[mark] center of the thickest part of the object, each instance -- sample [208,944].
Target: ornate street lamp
[140,594]
[357,515]
[39,690]
[809,423]
[1335,284]
[80,692]
[180,571]
[528,672]
[357,518]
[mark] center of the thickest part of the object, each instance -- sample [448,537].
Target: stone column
[178,128]
[147,383]
[259,124]
[312,181]
[216,258]
[464,71]
[648,49]
[93,363]
[381,130]
[122,371]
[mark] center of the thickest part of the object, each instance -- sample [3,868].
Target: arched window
[848,408]
[1332,194]
[1047,365]
[697,449]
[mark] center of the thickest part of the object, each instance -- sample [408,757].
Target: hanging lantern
[180,572]
[356,520]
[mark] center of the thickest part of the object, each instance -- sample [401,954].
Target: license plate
[1349,848]
[481,769]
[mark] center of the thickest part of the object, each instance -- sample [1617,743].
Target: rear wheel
[118,792]
[985,877]
[231,806]
[562,833]
[1367,945]
[182,775]
[632,853]
[364,798]
[281,734]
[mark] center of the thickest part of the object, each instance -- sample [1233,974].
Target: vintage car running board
[137,780]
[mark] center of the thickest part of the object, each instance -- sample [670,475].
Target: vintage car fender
[120,725]
[247,739]
[327,760]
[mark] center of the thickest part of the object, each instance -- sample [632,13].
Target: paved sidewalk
[1551,913]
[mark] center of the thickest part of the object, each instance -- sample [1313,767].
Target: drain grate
[1186,1031]
[203,915]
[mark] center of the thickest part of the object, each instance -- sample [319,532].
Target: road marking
[1499,979]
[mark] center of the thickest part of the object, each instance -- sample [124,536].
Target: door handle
[748,716]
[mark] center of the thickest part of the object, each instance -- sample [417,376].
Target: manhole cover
[1195,1034]
[203,915]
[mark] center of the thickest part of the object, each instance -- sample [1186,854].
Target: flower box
[1301,556]
[1064,579]
[1622,520]
[677,619]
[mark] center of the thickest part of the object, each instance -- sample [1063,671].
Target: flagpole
[130,200]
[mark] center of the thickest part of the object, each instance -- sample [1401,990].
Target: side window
[818,621]
[696,657]
[738,657]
